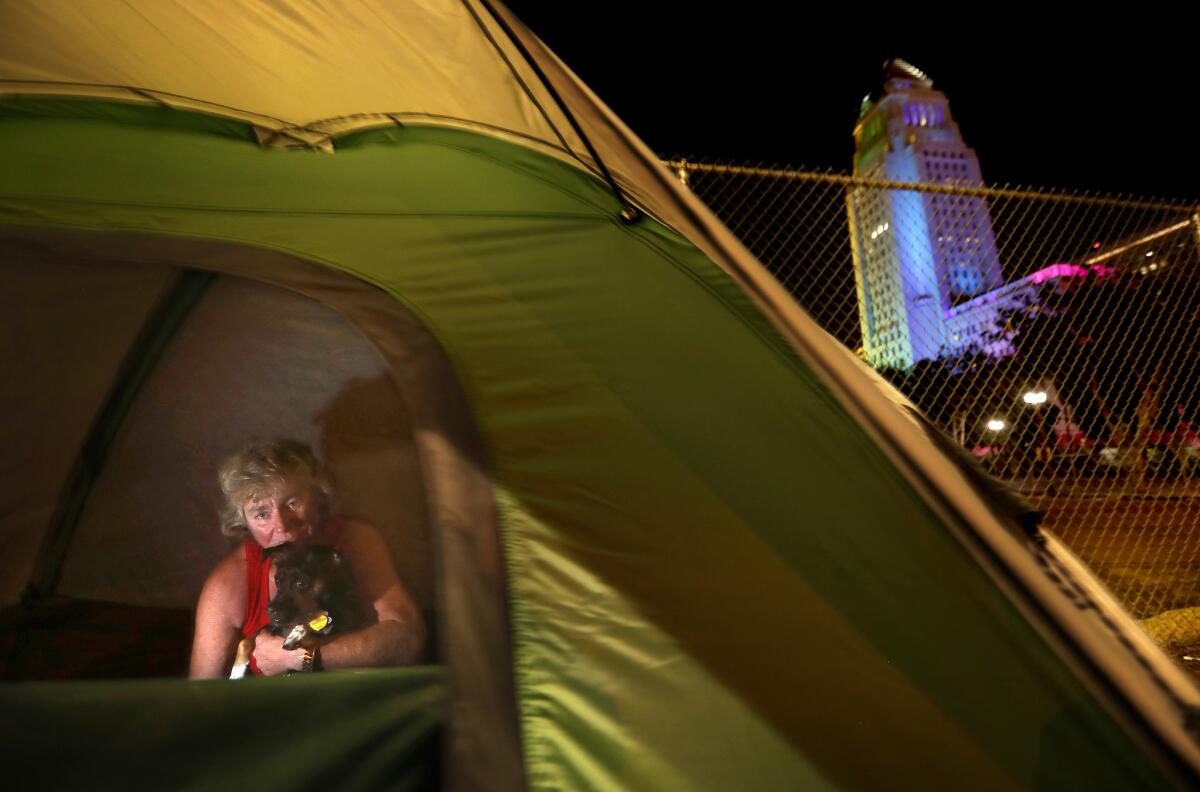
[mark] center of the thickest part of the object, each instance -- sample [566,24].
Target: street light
[996,425]
[1035,397]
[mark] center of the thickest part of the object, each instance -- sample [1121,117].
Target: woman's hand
[272,658]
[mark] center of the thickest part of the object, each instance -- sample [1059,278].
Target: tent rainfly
[669,534]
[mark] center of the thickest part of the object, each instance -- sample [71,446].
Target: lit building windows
[927,243]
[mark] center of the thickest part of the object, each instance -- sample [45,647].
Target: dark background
[1083,102]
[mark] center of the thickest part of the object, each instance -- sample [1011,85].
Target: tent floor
[65,638]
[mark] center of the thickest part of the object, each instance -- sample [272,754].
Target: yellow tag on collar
[319,623]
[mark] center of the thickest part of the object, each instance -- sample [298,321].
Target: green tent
[669,534]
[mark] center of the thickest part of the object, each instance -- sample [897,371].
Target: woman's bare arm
[218,619]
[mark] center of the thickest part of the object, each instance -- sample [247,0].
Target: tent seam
[295,212]
[629,212]
[141,358]
[520,81]
[527,174]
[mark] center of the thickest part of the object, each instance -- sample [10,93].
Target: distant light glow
[1035,397]
[996,425]
[1066,270]
[1149,253]
[1160,233]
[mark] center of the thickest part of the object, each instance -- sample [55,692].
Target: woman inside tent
[276,494]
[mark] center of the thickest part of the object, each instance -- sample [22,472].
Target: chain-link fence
[1056,336]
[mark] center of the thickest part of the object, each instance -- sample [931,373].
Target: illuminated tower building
[923,261]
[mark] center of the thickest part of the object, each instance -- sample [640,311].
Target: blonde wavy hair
[259,470]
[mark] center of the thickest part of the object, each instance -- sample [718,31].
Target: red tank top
[258,582]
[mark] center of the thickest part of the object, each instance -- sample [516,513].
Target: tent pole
[160,327]
[629,213]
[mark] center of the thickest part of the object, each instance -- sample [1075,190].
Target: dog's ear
[323,554]
[319,555]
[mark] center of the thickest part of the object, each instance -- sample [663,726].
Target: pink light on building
[1067,270]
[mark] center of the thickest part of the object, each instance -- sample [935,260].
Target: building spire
[902,69]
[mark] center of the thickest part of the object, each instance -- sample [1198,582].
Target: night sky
[1096,104]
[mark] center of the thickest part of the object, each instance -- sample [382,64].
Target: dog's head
[311,580]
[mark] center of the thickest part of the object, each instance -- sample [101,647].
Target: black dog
[312,584]
[315,598]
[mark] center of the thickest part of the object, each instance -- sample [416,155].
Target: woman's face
[290,514]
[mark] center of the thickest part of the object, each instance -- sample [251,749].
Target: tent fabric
[298,64]
[796,599]
[328,72]
[95,315]
[369,730]
[728,559]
